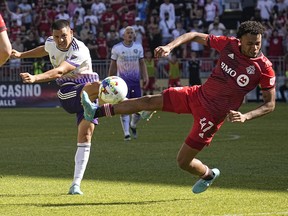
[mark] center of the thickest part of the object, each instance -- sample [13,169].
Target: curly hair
[250,27]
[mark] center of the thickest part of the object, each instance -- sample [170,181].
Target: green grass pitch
[140,177]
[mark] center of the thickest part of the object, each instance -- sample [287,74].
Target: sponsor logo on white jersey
[73,57]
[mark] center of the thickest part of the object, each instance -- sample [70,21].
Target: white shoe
[201,185]
[75,190]
[147,115]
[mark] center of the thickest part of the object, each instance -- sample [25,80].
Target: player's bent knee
[183,164]
[92,90]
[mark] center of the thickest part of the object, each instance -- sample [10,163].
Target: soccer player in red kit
[5,45]
[240,68]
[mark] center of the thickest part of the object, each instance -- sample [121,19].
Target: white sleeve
[114,54]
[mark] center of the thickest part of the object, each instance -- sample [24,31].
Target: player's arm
[112,68]
[49,75]
[5,47]
[144,72]
[37,52]
[200,38]
[267,107]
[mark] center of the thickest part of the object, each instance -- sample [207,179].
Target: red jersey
[276,46]
[108,18]
[14,31]
[102,48]
[233,77]
[129,17]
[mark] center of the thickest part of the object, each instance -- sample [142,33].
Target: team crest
[135,51]
[250,69]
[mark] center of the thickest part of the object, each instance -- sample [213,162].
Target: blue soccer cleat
[89,107]
[201,185]
[75,190]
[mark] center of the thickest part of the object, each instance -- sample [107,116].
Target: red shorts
[151,84]
[2,24]
[174,82]
[185,100]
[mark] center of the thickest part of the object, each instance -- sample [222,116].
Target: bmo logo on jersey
[242,80]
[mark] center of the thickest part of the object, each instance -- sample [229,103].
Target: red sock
[105,110]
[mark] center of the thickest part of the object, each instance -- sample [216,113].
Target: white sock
[125,119]
[81,160]
[134,120]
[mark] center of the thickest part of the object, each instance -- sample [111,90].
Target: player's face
[63,38]
[129,36]
[251,45]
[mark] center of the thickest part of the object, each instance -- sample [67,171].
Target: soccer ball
[113,89]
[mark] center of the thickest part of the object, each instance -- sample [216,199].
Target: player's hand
[162,51]
[15,54]
[27,78]
[235,116]
[145,84]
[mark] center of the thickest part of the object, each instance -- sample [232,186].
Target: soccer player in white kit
[127,61]
[72,70]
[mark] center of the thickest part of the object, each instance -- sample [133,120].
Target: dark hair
[252,27]
[59,24]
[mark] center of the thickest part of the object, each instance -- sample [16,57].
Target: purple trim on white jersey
[72,63]
[83,78]
[74,45]
[50,39]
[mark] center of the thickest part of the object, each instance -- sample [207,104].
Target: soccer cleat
[147,115]
[127,138]
[134,132]
[75,190]
[89,107]
[201,185]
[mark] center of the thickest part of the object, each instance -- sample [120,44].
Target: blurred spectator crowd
[100,23]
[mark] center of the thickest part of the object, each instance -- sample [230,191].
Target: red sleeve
[2,24]
[268,79]
[218,42]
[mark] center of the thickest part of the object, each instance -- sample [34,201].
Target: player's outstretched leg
[89,107]
[201,185]
[75,190]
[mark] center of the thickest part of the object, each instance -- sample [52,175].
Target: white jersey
[78,55]
[127,60]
